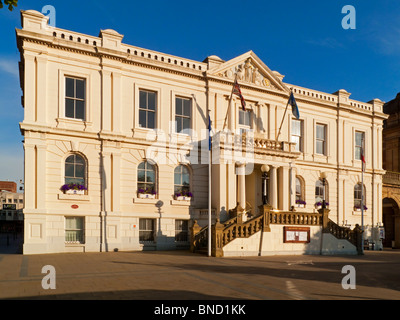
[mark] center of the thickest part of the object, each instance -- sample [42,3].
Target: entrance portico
[244,177]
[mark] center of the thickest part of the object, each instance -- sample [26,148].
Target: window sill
[358,212]
[75,197]
[181,202]
[64,123]
[145,200]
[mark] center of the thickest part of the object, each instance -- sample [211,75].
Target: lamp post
[323,178]
[265,170]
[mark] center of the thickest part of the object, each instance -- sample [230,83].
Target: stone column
[241,170]
[292,186]
[283,195]
[273,187]
[41,90]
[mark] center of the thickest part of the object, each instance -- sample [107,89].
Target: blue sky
[303,40]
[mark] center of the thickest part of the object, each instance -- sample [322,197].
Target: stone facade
[107,115]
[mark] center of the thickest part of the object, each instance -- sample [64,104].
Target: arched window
[319,192]
[358,196]
[299,191]
[146,179]
[75,170]
[182,181]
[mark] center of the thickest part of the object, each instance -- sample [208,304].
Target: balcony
[391,178]
[254,144]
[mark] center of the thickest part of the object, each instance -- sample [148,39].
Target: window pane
[296,127]
[359,137]
[150,176]
[80,171]
[80,89]
[187,106]
[143,99]
[70,159]
[151,123]
[69,87]
[247,118]
[241,117]
[357,153]
[320,131]
[69,170]
[320,147]
[297,141]
[80,109]
[69,108]
[78,159]
[178,106]
[141,176]
[142,119]
[185,123]
[151,100]
[142,165]
[185,179]
[178,123]
[177,178]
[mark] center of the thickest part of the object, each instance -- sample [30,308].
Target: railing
[391,177]
[295,218]
[343,233]
[255,140]
[244,230]
[222,234]
[199,237]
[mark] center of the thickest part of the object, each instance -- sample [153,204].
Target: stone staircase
[224,233]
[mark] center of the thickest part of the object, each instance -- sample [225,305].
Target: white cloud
[330,43]
[9,66]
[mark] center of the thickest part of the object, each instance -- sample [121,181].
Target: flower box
[318,205]
[73,188]
[300,203]
[183,198]
[72,191]
[146,196]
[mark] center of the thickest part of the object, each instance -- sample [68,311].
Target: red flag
[362,159]
[236,90]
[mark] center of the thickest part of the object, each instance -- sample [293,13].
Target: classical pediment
[249,68]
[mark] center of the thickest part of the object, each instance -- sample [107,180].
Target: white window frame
[61,118]
[244,127]
[179,232]
[190,117]
[355,144]
[82,230]
[325,141]
[301,136]
[153,231]
[137,88]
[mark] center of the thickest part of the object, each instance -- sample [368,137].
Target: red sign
[74,206]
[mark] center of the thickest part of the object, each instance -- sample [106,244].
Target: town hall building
[117,152]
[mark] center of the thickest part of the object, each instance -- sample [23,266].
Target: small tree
[10,3]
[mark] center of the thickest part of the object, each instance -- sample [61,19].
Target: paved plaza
[181,275]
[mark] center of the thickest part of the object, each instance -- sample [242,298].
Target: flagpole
[283,119]
[230,102]
[362,197]
[209,185]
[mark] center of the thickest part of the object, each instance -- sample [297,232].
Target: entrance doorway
[391,223]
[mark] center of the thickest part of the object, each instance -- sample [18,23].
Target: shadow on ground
[128,295]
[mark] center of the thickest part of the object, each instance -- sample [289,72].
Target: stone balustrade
[222,234]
